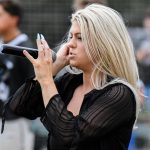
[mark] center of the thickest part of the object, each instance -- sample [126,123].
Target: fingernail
[42,37]
[38,36]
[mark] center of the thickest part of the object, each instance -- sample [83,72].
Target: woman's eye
[79,38]
[70,37]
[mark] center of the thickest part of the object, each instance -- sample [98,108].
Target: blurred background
[52,19]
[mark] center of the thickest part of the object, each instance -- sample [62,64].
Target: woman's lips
[71,55]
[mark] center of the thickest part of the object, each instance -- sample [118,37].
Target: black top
[105,121]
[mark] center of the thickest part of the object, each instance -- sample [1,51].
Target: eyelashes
[70,37]
[79,38]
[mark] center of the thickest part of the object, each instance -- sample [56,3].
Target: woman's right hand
[62,59]
[62,55]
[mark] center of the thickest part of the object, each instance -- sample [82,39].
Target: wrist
[60,62]
[46,82]
[48,89]
[58,65]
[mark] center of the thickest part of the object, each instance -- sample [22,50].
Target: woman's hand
[43,64]
[62,54]
[61,60]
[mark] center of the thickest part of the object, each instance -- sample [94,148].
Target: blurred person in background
[141,38]
[11,14]
[14,71]
[143,56]
[80,4]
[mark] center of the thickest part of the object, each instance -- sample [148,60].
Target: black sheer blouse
[105,121]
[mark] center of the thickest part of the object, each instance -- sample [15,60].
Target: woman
[95,109]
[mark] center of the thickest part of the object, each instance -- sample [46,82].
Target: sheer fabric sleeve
[27,101]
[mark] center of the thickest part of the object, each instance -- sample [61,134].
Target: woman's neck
[87,84]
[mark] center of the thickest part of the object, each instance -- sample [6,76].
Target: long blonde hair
[109,47]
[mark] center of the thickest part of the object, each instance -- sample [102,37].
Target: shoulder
[26,42]
[118,89]
[118,97]
[118,93]
[114,102]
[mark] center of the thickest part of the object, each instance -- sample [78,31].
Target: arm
[45,69]
[58,121]
[25,99]
[29,95]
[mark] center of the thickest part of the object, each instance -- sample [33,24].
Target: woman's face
[77,55]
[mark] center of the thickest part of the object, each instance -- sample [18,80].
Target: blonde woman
[95,106]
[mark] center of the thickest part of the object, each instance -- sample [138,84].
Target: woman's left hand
[43,64]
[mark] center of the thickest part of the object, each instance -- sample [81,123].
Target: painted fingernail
[38,36]
[42,37]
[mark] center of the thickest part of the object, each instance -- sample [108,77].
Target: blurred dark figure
[10,19]
[80,4]
[13,72]
[4,88]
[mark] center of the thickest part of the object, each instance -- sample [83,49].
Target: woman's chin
[73,66]
[72,63]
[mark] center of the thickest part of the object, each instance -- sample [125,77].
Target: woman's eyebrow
[78,33]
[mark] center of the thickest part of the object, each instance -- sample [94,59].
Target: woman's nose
[72,43]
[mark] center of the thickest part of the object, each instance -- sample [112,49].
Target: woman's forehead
[75,28]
